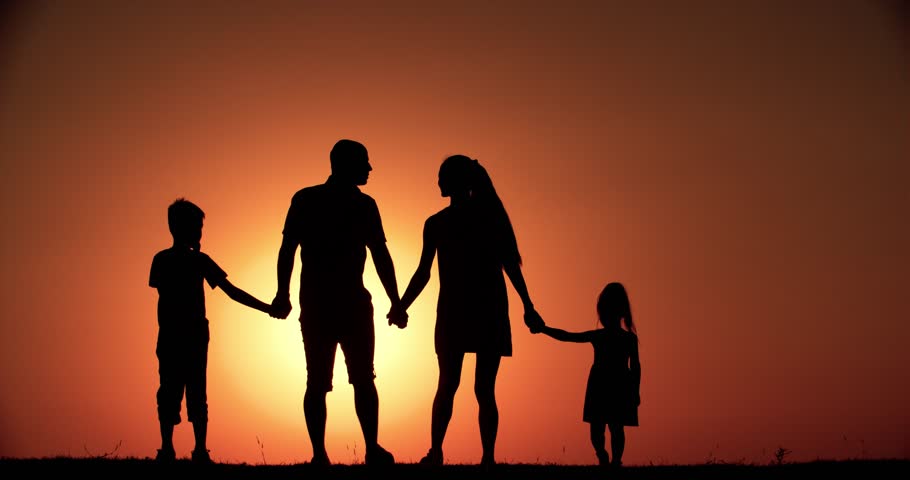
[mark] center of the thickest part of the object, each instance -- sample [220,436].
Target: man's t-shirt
[178,274]
[333,224]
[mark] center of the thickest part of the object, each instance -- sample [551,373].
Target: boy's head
[184,219]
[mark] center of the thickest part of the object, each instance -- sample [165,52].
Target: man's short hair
[344,151]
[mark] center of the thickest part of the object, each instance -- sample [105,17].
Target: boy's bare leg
[200,430]
[200,453]
[166,452]
[167,436]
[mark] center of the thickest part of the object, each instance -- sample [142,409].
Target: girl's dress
[611,393]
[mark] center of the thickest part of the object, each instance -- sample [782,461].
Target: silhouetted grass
[94,468]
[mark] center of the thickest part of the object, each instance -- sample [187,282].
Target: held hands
[398,316]
[534,321]
[281,307]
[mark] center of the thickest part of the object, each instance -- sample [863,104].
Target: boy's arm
[564,336]
[242,297]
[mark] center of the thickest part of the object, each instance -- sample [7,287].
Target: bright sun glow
[264,366]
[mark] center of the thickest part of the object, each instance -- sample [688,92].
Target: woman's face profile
[452,179]
[445,188]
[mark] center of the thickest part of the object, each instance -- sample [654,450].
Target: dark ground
[94,468]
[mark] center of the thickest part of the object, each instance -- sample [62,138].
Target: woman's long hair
[466,173]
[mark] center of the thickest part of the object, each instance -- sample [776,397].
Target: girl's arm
[564,336]
[244,298]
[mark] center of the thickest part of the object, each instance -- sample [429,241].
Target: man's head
[350,162]
[184,219]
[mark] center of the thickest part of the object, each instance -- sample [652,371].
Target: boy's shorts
[182,368]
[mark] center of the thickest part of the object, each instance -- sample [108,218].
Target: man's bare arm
[385,269]
[285,267]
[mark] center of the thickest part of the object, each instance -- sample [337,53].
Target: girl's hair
[613,306]
[467,173]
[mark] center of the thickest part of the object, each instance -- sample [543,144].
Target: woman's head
[456,176]
[613,306]
[464,179]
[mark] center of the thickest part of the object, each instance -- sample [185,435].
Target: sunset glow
[743,171]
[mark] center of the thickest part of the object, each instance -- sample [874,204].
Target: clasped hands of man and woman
[281,308]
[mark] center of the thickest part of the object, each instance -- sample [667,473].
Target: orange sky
[741,168]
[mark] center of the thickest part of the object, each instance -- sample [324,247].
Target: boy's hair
[182,215]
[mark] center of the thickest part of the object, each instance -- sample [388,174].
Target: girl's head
[613,307]
[465,179]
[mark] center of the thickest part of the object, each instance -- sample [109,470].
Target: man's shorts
[323,331]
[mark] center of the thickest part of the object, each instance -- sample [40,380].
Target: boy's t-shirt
[178,274]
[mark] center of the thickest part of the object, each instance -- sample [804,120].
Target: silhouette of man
[333,224]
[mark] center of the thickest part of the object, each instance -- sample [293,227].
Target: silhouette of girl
[475,242]
[612,396]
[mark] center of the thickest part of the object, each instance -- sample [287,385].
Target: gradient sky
[741,167]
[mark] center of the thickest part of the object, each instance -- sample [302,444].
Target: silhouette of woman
[475,242]
[612,396]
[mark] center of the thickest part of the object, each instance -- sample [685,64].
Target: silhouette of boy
[179,273]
